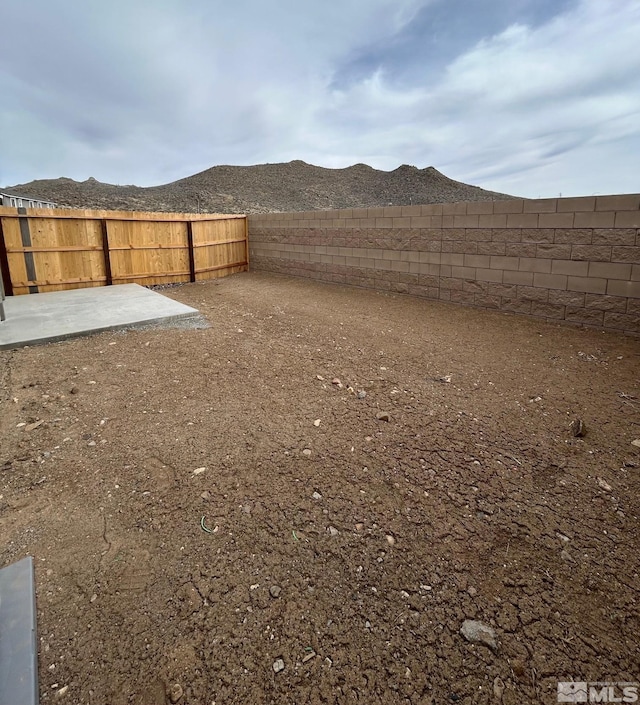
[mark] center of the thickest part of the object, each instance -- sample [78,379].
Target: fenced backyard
[51,250]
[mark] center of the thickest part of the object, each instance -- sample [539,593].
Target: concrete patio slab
[44,318]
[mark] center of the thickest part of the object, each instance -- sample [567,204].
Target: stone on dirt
[362,394]
[316,423]
[578,428]
[275,591]
[383,416]
[175,692]
[317,495]
[307,452]
[278,665]
[333,531]
[479,633]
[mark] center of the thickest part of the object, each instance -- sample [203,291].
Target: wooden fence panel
[220,248]
[148,253]
[50,250]
[67,254]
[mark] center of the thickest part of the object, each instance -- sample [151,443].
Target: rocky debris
[479,633]
[362,394]
[175,692]
[336,381]
[199,471]
[603,484]
[317,422]
[266,188]
[383,416]
[33,426]
[577,428]
[206,495]
[74,390]
[316,495]
[636,443]
[309,656]
[275,591]
[332,530]
[307,452]
[278,665]
[391,540]
[62,692]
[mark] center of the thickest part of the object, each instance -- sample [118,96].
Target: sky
[535,98]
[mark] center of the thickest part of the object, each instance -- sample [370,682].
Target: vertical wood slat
[29,262]
[4,264]
[192,256]
[105,250]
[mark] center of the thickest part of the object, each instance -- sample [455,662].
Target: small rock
[472,591]
[577,427]
[362,394]
[603,484]
[93,598]
[317,495]
[336,381]
[498,688]
[562,537]
[320,377]
[317,422]
[62,692]
[278,665]
[175,692]
[636,443]
[333,531]
[199,471]
[566,556]
[91,443]
[309,656]
[275,591]
[33,426]
[446,379]
[391,540]
[206,495]
[307,452]
[479,633]
[359,527]
[74,390]
[246,509]
[383,416]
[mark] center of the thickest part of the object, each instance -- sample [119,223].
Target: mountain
[265,188]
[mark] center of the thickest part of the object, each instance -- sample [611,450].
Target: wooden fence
[51,250]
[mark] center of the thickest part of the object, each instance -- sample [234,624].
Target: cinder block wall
[565,259]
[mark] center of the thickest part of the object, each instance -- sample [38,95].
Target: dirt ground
[349,546]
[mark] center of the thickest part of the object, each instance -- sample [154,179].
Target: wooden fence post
[105,249]
[4,265]
[192,254]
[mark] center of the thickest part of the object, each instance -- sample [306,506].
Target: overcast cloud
[530,97]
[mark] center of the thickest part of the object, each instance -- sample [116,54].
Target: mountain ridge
[265,188]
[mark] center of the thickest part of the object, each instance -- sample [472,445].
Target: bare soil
[473,501]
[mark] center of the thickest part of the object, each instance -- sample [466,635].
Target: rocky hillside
[294,186]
